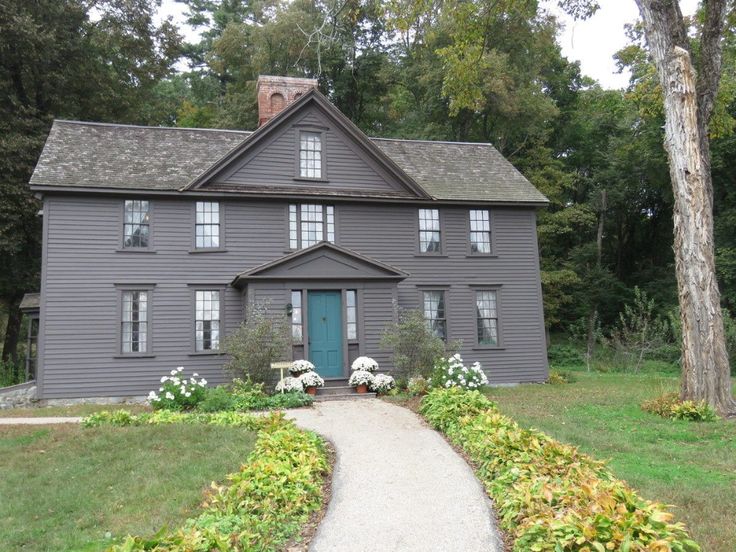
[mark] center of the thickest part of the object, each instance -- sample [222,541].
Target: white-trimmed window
[480,231]
[310,154]
[134,323]
[429,231]
[435,313]
[207,225]
[351,314]
[206,320]
[297,328]
[310,224]
[136,223]
[486,306]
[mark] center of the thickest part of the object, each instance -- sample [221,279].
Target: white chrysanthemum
[365,363]
[383,383]
[169,396]
[289,384]
[311,379]
[360,377]
[299,366]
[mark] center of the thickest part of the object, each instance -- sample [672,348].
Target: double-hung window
[435,313]
[429,231]
[480,231]
[486,305]
[207,225]
[134,324]
[136,223]
[206,320]
[310,155]
[310,224]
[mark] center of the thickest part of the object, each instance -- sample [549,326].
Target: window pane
[134,323]
[207,320]
[312,225]
[351,312]
[296,316]
[136,220]
[480,231]
[487,316]
[310,155]
[330,223]
[207,225]
[429,230]
[434,312]
[293,243]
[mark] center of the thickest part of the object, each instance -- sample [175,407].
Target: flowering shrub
[451,372]
[289,384]
[311,379]
[417,385]
[549,496]
[178,392]
[301,366]
[360,377]
[382,383]
[365,363]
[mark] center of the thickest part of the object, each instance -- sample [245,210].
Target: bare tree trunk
[593,316]
[705,365]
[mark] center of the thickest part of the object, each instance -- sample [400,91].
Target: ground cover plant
[691,466]
[550,496]
[68,488]
[259,507]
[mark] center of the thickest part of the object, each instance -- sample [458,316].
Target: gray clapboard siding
[80,349]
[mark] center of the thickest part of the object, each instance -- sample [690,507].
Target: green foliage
[565,355]
[415,348]
[549,496]
[178,392]
[261,506]
[12,372]
[559,377]
[244,395]
[669,405]
[417,386]
[217,399]
[259,341]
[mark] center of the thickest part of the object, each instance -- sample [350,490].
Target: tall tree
[689,100]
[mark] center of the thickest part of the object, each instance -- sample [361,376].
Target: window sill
[144,355]
[481,255]
[435,255]
[316,180]
[134,250]
[208,250]
[206,353]
[488,348]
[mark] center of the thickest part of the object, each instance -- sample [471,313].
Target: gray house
[156,241]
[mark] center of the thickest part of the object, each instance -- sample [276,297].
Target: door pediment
[323,261]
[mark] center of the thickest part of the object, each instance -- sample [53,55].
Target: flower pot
[311,390]
[362,388]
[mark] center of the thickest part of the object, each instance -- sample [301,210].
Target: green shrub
[258,508]
[549,496]
[177,392]
[417,386]
[12,372]
[559,377]
[565,355]
[669,405]
[217,399]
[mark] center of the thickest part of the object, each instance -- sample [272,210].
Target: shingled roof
[98,155]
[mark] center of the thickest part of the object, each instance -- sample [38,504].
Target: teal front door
[325,332]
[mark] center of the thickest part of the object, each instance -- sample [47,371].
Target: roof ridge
[432,141]
[125,125]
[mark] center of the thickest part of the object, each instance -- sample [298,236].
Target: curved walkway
[397,484]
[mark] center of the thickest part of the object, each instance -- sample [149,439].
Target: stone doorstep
[345,397]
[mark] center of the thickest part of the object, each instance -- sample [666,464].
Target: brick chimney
[275,93]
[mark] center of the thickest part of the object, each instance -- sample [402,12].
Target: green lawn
[689,465]
[75,410]
[69,488]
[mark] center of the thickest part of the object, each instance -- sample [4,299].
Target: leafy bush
[565,355]
[287,400]
[451,372]
[415,347]
[262,339]
[417,386]
[12,372]
[178,392]
[549,496]
[669,405]
[217,399]
[258,508]
[558,377]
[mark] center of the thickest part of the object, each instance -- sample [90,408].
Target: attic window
[310,155]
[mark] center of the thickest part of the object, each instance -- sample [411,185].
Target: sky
[593,42]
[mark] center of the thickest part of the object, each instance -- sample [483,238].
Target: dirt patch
[301,542]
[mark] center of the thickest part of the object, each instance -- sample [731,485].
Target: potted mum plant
[289,384]
[311,381]
[361,380]
[365,363]
[299,367]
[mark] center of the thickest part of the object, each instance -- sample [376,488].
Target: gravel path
[397,484]
[41,420]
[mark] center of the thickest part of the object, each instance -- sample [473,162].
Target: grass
[68,488]
[691,466]
[75,410]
